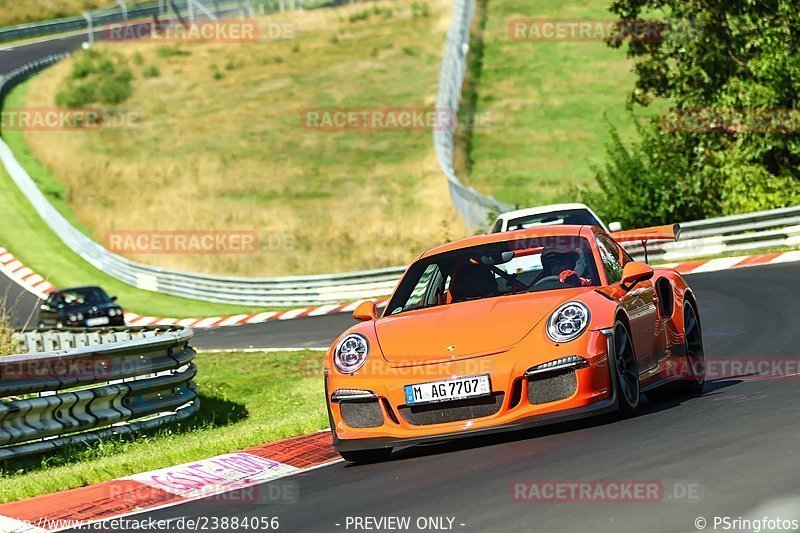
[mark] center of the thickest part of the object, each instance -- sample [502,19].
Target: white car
[551,215]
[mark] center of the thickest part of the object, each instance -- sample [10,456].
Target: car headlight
[568,322]
[75,317]
[351,353]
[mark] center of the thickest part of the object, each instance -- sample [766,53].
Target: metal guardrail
[336,288]
[110,15]
[475,208]
[18,75]
[79,386]
[268,292]
[750,232]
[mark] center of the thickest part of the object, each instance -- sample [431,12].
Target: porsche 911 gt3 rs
[511,330]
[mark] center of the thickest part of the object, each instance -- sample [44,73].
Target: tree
[730,74]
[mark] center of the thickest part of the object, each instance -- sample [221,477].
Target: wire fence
[476,209]
[731,233]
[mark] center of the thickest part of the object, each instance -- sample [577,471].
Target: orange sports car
[508,331]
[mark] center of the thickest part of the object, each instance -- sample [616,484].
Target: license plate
[448,389]
[99,321]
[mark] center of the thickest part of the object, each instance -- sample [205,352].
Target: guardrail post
[124,8]
[88,16]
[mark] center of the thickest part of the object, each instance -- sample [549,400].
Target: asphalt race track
[741,433]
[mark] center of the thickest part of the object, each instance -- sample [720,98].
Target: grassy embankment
[219,143]
[548,103]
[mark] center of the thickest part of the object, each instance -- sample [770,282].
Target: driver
[562,264]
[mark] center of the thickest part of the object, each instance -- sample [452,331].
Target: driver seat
[472,281]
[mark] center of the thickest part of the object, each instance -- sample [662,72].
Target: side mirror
[113,298]
[366,311]
[614,227]
[633,273]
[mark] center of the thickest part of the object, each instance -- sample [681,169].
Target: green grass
[25,234]
[247,399]
[204,133]
[41,175]
[546,104]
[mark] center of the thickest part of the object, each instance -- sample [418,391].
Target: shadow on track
[466,443]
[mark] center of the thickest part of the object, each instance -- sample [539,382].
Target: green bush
[114,91]
[652,182]
[73,95]
[362,15]
[151,72]
[172,51]
[733,59]
[420,10]
[97,77]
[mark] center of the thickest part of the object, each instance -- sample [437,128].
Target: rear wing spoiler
[668,233]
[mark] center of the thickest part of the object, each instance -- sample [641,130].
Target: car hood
[466,329]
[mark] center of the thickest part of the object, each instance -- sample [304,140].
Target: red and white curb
[24,276]
[32,282]
[247,471]
[36,284]
[133,319]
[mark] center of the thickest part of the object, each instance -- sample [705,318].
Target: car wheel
[627,372]
[695,354]
[367,456]
[695,378]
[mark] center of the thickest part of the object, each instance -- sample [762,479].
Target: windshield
[569,217]
[496,270]
[82,296]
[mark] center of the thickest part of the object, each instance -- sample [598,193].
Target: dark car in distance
[80,307]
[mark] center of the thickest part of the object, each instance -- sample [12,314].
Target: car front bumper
[593,394]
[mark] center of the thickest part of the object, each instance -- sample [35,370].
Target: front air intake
[362,414]
[454,411]
[546,388]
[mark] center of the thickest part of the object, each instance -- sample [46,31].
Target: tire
[694,380]
[695,353]
[627,372]
[367,456]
